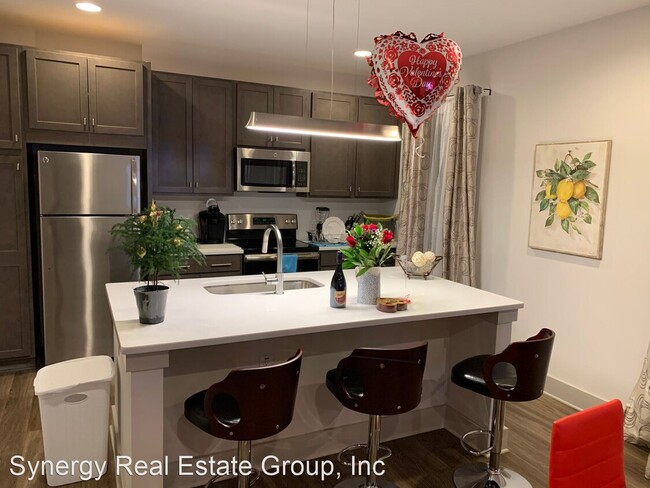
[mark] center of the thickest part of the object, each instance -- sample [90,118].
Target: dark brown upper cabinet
[193,147]
[377,161]
[9,99]
[271,99]
[343,168]
[75,93]
[212,135]
[15,295]
[333,160]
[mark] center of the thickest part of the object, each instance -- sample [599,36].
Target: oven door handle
[250,258]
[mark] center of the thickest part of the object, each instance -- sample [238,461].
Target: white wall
[48,39]
[589,82]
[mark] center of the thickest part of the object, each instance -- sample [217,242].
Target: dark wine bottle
[338,286]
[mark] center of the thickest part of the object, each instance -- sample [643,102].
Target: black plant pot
[151,302]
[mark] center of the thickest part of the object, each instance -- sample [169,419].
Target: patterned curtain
[459,236]
[414,189]
[637,412]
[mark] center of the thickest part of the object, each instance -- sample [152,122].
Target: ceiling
[277,29]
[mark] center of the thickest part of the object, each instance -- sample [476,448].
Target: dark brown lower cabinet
[15,291]
[215,266]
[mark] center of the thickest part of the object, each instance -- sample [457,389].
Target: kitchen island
[205,335]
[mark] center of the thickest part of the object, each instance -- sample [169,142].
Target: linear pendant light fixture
[289,124]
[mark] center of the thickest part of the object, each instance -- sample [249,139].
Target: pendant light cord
[332,58]
[305,69]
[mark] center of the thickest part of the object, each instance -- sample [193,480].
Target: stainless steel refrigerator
[82,195]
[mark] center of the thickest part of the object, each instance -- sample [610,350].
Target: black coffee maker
[212,225]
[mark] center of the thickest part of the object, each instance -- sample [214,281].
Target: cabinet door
[253,98]
[15,296]
[116,97]
[9,99]
[57,91]
[291,101]
[212,137]
[332,159]
[377,162]
[172,133]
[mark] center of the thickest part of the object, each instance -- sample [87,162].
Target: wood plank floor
[421,461]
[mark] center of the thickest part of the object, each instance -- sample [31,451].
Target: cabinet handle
[85,121]
[184,267]
[221,265]
[196,184]
[92,121]
[189,184]
[16,137]
[358,189]
[350,189]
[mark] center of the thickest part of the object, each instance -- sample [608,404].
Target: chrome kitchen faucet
[278,280]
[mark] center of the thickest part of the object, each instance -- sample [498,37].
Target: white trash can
[74,400]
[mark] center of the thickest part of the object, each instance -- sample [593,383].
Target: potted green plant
[156,241]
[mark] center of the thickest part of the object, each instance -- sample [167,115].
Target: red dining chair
[587,449]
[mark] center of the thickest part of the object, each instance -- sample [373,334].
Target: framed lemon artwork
[569,196]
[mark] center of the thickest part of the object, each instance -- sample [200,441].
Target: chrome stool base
[477,475]
[360,482]
[355,447]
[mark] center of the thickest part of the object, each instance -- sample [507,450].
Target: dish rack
[411,270]
[387,221]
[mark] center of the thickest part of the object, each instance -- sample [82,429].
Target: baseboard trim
[15,365]
[570,395]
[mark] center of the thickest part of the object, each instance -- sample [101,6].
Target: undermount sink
[260,287]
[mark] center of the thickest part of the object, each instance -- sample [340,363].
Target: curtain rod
[483,92]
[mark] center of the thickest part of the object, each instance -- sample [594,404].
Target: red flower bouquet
[369,246]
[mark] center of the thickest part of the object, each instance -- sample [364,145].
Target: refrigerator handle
[135,186]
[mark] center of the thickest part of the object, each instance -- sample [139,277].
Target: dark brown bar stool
[517,374]
[377,382]
[249,404]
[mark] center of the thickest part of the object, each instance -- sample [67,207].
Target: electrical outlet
[266,360]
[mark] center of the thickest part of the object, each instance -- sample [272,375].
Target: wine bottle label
[339,297]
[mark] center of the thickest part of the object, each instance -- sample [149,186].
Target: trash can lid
[75,372]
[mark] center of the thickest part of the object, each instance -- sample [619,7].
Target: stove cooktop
[247,232]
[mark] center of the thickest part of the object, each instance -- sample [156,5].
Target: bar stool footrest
[253,478]
[478,432]
[360,482]
[477,475]
[353,447]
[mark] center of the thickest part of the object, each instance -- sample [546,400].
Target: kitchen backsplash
[305,208]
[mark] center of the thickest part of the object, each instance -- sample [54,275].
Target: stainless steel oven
[270,170]
[246,231]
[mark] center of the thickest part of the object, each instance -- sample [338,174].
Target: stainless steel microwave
[272,170]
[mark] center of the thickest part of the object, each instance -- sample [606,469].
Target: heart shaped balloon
[412,78]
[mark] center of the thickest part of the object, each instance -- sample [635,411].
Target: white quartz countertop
[216,249]
[195,317]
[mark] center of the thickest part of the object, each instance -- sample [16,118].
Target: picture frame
[569,197]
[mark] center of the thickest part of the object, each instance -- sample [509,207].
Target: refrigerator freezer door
[88,184]
[76,265]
